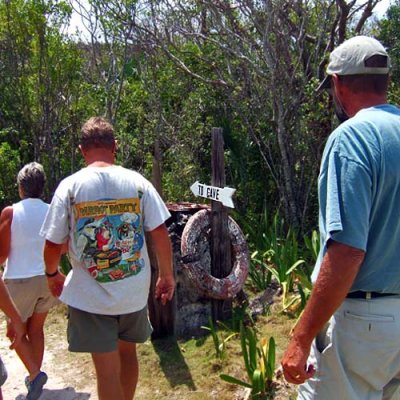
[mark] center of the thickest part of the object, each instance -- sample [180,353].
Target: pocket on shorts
[365,339]
[322,345]
[323,340]
[369,326]
[321,348]
[369,317]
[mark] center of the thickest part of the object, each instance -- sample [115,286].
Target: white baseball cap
[350,58]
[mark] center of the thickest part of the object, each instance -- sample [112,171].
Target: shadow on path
[67,393]
[173,363]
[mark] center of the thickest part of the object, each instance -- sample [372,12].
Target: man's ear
[338,87]
[335,80]
[83,152]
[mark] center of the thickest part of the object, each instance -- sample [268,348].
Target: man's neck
[99,157]
[100,164]
[359,103]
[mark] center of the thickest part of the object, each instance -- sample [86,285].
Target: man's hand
[339,268]
[52,256]
[56,284]
[15,331]
[294,363]
[160,243]
[165,288]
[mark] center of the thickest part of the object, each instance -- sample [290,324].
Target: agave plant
[220,341]
[302,277]
[259,361]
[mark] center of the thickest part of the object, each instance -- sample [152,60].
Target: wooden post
[221,263]
[162,317]
[156,172]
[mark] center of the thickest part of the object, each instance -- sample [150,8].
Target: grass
[189,370]
[75,368]
[174,369]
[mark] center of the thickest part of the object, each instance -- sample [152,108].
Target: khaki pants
[357,354]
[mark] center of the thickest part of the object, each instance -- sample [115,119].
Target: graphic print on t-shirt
[108,238]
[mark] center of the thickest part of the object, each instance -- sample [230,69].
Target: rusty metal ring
[206,284]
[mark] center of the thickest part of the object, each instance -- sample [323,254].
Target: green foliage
[259,273]
[312,245]
[276,254]
[257,233]
[220,341]
[259,361]
[9,166]
[39,70]
[165,76]
[296,304]
[302,277]
[389,34]
[65,265]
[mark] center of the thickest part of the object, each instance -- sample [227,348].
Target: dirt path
[71,376]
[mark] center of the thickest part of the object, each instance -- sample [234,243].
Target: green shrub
[259,360]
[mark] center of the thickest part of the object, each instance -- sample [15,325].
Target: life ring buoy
[206,284]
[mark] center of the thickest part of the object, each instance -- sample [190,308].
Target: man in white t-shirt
[104,211]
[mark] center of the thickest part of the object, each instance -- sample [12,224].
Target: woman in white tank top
[22,253]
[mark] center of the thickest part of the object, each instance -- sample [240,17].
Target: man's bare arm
[52,256]
[338,271]
[161,245]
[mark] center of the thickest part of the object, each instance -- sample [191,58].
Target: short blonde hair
[31,179]
[97,132]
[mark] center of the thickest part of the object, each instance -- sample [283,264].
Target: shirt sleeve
[55,227]
[155,211]
[348,201]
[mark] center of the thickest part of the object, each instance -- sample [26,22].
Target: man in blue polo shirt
[347,343]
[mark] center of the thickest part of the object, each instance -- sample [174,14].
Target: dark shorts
[98,333]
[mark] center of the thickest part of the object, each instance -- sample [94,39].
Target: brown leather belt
[359,294]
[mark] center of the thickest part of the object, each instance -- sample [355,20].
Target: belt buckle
[368,296]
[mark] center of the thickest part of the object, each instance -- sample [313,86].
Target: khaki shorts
[357,354]
[31,295]
[98,333]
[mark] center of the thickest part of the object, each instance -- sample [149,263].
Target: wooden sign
[223,195]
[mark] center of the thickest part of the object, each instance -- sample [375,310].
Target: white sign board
[224,195]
